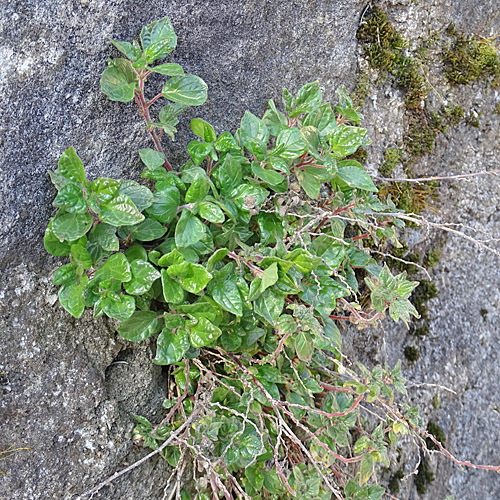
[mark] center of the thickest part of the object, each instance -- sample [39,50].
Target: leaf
[171,346]
[210,212]
[202,332]
[71,297]
[70,198]
[71,226]
[228,176]
[147,230]
[168,69]
[286,324]
[226,294]
[308,97]
[203,129]
[303,260]
[199,151]
[81,256]
[270,176]
[310,183]
[217,256]
[322,118]
[165,204]
[248,196]
[71,167]
[189,229]
[275,120]
[131,51]
[346,140]
[226,142]
[198,190]
[269,305]
[65,274]
[152,158]
[136,252]
[53,244]
[118,306]
[158,39]
[290,144]
[366,469]
[269,276]
[189,89]
[120,211]
[140,326]
[105,189]
[119,80]
[143,276]
[140,195]
[172,291]
[354,177]
[105,236]
[192,277]
[253,135]
[116,267]
[304,346]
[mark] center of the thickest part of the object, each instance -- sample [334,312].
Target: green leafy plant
[238,266]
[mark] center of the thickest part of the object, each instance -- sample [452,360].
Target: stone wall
[70,388]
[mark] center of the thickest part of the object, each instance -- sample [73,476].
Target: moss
[435,402]
[424,477]
[432,257]
[412,354]
[470,58]
[385,50]
[360,155]
[394,481]
[392,157]
[421,331]
[425,291]
[484,313]
[472,118]
[497,108]
[437,432]
[422,131]
[360,92]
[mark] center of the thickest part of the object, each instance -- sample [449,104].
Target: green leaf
[116,267]
[290,144]
[248,196]
[72,297]
[158,39]
[136,252]
[140,195]
[346,140]
[131,51]
[275,120]
[322,118]
[151,158]
[168,69]
[105,189]
[226,142]
[269,305]
[228,176]
[217,256]
[71,167]
[53,244]
[366,469]
[143,277]
[165,204]
[70,198]
[270,176]
[71,226]
[189,89]
[119,80]
[140,326]
[203,129]
[120,211]
[147,230]
[303,260]
[199,151]
[310,183]
[192,277]
[171,346]
[308,97]
[81,256]
[269,276]
[105,236]
[198,190]
[304,346]
[253,135]
[65,274]
[210,212]
[118,306]
[226,294]
[172,291]
[202,332]
[354,177]
[189,229]
[286,324]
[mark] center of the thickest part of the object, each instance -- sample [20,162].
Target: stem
[154,99]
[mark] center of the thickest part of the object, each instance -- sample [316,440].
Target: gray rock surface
[63,393]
